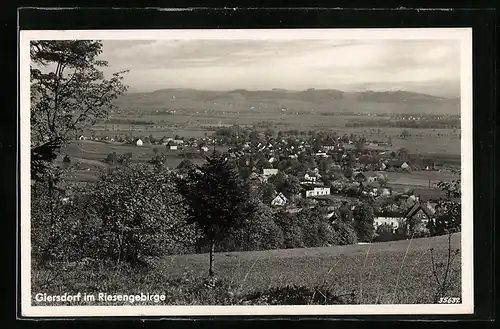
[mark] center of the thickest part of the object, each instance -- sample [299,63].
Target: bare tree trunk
[212,250]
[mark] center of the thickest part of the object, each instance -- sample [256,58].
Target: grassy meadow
[378,273]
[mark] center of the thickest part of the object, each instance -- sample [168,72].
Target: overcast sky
[431,66]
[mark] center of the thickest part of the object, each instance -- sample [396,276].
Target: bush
[343,233]
[293,236]
[141,214]
[316,231]
[130,215]
[54,224]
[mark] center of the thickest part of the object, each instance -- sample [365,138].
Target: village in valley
[313,170]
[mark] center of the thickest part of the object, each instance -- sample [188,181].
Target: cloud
[291,64]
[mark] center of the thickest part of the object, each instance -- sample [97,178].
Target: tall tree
[69,92]
[363,216]
[216,200]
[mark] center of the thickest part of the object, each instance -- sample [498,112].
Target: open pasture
[420,141]
[420,178]
[377,272]
[398,272]
[90,156]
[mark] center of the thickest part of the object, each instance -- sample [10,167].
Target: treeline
[129,122]
[423,124]
[134,213]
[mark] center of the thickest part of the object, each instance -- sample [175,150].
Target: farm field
[89,155]
[420,178]
[192,123]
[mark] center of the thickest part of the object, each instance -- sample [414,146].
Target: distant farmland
[90,156]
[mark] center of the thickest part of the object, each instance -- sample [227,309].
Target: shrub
[130,215]
[54,224]
[140,212]
[343,233]
[293,236]
[316,231]
[298,295]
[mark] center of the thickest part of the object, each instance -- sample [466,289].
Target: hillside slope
[319,100]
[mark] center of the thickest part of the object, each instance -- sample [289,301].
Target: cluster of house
[174,144]
[418,212]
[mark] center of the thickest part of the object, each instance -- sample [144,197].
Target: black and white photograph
[230,172]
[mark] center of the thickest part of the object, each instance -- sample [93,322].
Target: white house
[405,166]
[310,178]
[322,154]
[391,219]
[139,142]
[173,147]
[317,191]
[269,172]
[328,147]
[279,200]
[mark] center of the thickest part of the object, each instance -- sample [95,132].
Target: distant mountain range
[320,100]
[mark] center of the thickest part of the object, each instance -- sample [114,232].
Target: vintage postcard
[246,172]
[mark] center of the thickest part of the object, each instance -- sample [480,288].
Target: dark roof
[394,214]
[416,207]
[397,163]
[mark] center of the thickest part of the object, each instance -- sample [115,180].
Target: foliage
[258,232]
[348,173]
[300,295]
[159,159]
[141,214]
[363,216]
[111,158]
[290,225]
[382,179]
[130,215]
[268,192]
[69,92]
[287,184]
[343,233]
[444,273]
[448,210]
[51,222]
[186,164]
[316,230]
[216,199]
[386,232]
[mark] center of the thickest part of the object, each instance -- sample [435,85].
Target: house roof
[391,214]
[280,195]
[419,206]
[397,163]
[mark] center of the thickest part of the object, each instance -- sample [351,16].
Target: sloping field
[386,272]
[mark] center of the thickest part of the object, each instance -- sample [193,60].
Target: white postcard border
[462,34]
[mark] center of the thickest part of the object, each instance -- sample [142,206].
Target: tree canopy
[69,92]
[216,199]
